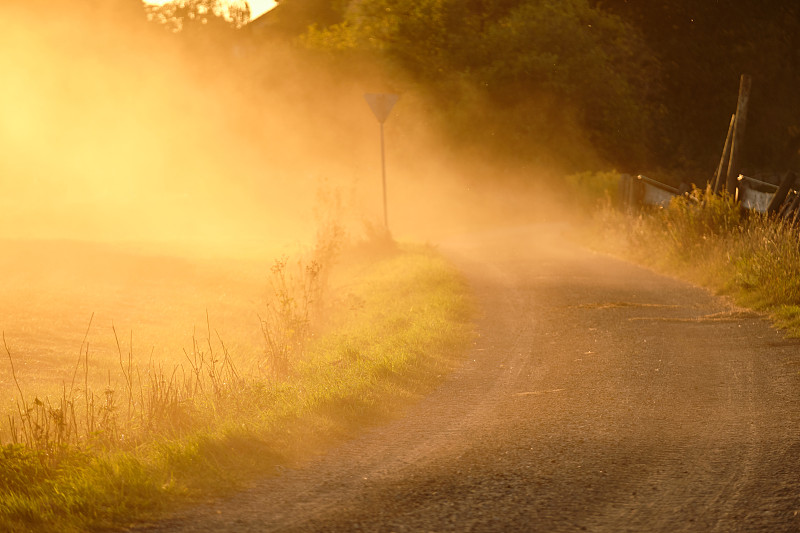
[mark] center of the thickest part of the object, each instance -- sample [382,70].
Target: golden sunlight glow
[150,186]
[257,7]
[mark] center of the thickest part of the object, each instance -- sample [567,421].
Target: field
[59,294]
[198,406]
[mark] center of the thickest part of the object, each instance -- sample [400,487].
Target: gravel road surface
[599,397]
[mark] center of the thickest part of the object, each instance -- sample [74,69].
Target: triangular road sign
[381,104]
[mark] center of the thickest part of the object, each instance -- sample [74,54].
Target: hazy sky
[257,7]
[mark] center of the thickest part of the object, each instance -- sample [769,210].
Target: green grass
[401,322]
[709,240]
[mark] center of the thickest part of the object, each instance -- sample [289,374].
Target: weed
[692,219]
[295,301]
[99,455]
[286,326]
[163,434]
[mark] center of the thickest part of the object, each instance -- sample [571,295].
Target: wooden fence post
[790,210]
[780,195]
[726,150]
[738,133]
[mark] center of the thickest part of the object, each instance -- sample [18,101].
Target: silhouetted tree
[193,15]
[703,48]
[513,51]
[293,17]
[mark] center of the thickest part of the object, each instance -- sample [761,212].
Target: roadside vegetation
[163,436]
[222,132]
[709,240]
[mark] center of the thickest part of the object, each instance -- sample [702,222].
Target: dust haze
[127,155]
[117,134]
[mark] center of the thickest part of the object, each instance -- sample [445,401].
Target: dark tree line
[519,63]
[654,83]
[703,48]
[650,83]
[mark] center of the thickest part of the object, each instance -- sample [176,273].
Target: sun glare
[257,7]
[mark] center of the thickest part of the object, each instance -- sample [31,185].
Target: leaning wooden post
[780,195]
[726,151]
[738,134]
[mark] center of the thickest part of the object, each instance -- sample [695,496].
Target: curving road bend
[599,397]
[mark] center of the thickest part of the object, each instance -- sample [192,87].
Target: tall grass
[161,436]
[148,401]
[288,319]
[711,240]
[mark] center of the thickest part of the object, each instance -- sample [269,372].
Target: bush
[708,238]
[693,219]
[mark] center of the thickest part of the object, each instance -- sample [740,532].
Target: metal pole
[383,174]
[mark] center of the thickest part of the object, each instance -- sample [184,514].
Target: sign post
[381,105]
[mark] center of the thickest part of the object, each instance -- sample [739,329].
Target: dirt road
[599,397]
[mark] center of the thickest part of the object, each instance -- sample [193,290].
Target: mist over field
[150,179]
[197,287]
[117,139]
[172,132]
[118,132]
[223,132]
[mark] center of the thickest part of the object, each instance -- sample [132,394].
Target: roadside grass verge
[707,239]
[400,322]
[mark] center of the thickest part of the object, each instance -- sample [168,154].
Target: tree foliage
[194,15]
[513,50]
[293,17]
[654,83]
[703,48]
